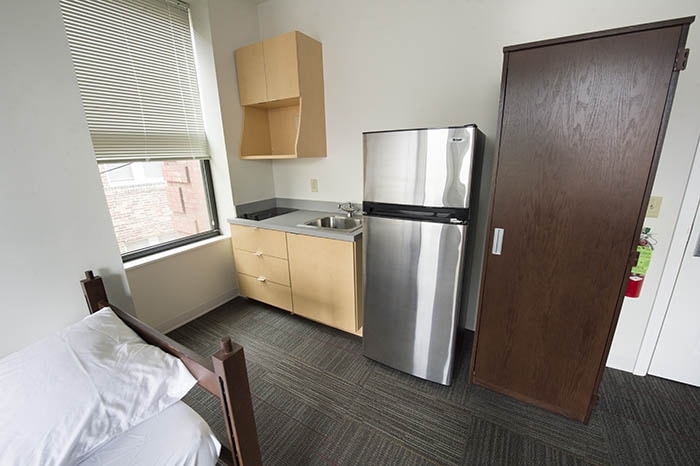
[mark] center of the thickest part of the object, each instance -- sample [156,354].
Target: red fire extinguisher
[636,278]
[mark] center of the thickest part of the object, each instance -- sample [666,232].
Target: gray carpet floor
[318,401]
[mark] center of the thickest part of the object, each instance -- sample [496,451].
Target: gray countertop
[289,223]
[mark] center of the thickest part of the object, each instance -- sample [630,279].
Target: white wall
[234,23]
[211,109]
[402,64]
[55,220]
[169,292]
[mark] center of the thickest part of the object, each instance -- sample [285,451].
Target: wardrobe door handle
[258,254]
[261,279]
[497,241]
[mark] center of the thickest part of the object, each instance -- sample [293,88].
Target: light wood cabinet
[250,65]
[254,239]
[282,65]
[326,281]
[260,265]
[316,278]
[261,262]
[280,82]
[266,291]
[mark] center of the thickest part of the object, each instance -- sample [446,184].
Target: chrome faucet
[348,208]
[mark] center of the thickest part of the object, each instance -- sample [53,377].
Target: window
[134,61]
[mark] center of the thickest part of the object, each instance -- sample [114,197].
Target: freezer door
[412,279]
[424,167]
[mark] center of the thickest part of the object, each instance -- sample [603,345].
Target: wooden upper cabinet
[282,66]
[280,82]
[250,67]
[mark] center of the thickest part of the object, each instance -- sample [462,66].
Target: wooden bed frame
[225,376]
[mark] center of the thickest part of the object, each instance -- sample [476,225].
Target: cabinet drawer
[254,239]
[266,291]
[261,265]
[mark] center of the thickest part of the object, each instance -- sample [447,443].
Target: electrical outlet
[314,185]
[654,206]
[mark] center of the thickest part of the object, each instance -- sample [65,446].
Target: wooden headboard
[224,376]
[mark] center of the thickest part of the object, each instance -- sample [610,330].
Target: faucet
[348,208]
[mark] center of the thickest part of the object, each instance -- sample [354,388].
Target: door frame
[674,260]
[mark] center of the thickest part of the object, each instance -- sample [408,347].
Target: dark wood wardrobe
[581,124]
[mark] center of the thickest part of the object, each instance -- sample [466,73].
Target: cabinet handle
[258,253]
[261,279]
[497,241]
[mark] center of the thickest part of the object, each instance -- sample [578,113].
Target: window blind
[135,66]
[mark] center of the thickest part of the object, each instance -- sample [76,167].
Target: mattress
[175,436]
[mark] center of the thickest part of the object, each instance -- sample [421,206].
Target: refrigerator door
[422,167]
[412,277]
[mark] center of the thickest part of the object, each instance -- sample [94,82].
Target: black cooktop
[267,213]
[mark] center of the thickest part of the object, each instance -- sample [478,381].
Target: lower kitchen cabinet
[326,281]
[260,256]
[316,278]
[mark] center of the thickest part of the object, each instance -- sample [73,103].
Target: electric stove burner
[268,213]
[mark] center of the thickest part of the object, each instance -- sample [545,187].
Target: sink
[335,222]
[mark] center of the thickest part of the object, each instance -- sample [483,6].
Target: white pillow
[66,395]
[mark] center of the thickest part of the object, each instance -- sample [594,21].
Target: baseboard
[199,311]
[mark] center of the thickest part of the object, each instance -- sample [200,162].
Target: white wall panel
[55,222]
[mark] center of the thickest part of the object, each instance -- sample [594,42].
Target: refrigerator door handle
[497,241]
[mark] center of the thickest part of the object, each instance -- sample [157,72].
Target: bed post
[230,369]
[94,291]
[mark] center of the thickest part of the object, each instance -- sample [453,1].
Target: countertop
[288,222]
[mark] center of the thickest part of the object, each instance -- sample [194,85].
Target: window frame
[176,243]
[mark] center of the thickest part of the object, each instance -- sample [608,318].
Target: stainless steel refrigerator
[416,216]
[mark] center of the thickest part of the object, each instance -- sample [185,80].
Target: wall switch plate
[654,206]
[314,185]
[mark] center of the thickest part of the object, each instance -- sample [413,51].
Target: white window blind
[136,72]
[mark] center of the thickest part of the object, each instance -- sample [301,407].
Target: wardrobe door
[578,136]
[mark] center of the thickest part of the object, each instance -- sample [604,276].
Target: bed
[107,389]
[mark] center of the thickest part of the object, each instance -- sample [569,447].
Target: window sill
[160,256]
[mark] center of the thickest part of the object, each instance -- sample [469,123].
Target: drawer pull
[497,245]
[261,279]
[258,253]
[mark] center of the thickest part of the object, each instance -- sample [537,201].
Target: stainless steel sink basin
[335,222]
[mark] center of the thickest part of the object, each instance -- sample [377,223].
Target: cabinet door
[322,272]
[579,129]
[250,67]
[281,66]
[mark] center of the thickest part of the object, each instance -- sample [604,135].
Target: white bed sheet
[74,391]
[177,436]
